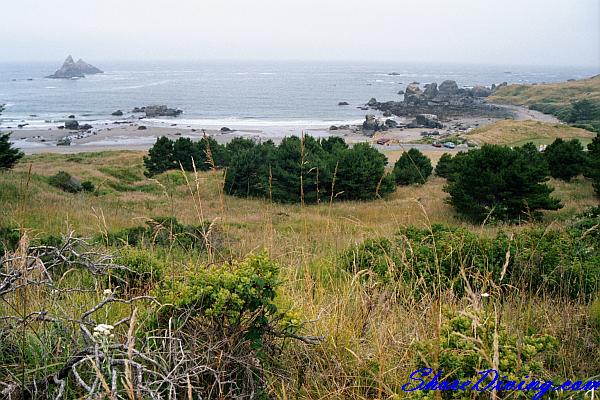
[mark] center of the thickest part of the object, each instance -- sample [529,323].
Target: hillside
[515,133]
[575,102]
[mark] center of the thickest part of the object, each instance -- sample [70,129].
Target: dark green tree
[186,153]
[592,168]
[502,183]
[361,174]
[565,159]
[248,173]
[211,154]
[443,167]
[160,157]
[413,167]
[8,154]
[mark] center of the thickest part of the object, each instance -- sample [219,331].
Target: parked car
[436,144]
[449,145]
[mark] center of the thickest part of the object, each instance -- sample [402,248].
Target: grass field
[560,94]
[517,133]
[368,330]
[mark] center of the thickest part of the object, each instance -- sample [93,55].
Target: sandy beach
[138,135]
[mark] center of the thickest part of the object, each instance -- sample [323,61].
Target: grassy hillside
[576,102]
[370,328]
[517,133]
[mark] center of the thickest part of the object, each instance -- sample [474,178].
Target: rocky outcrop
[158,111]
[372,125]
[428,121]
[343,103]
[117,113]
[444,100]
[71,69]
[71,124]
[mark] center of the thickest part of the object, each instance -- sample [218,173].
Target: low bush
[141,272]
[227,316]
[166,231]
[560,262]
[65,182]
[469,342]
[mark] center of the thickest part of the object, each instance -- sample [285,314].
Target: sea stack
[71,69]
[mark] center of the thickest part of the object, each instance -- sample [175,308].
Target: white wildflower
[485,295]
[108,292]
[103,330]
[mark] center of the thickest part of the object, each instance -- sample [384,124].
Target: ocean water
[236,94]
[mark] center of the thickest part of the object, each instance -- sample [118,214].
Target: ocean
[236,94]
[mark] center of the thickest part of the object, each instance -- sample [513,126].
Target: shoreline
[127,134]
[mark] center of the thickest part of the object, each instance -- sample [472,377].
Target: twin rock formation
[71,69]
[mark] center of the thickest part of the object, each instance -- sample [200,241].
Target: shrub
[65,182]
[566,160]
[9,238]
[227,315]
[500,183]
[165,231]
[413,167]
[467,346]
[87,186]
[592,168]
[142,270]
[559,262]
[8,154]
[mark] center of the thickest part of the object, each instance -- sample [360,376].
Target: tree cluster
[307,170]
[498,183]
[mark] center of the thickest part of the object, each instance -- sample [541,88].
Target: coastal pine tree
[186,153]
[501,183]
[361,174]
[8,154]
[413,167]
[160,157]
[592,168]
[566,160]
[248,173]
[443,167]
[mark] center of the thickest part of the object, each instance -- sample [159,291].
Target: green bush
[467,346]
[65,182]
[228,315]
[165,231]
[592,167]
[87,186]
[8,154]
[497,182]
[566,160]
[413,167]
[558,262]
[142,270]
[9,238]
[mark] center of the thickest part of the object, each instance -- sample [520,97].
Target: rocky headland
[444,101]
[71,69]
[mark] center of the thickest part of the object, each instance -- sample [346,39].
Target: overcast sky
[546,32]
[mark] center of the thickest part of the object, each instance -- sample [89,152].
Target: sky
[506,32]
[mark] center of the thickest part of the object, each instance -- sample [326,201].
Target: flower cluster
[104,330]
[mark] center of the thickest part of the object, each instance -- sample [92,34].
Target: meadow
[367,334]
